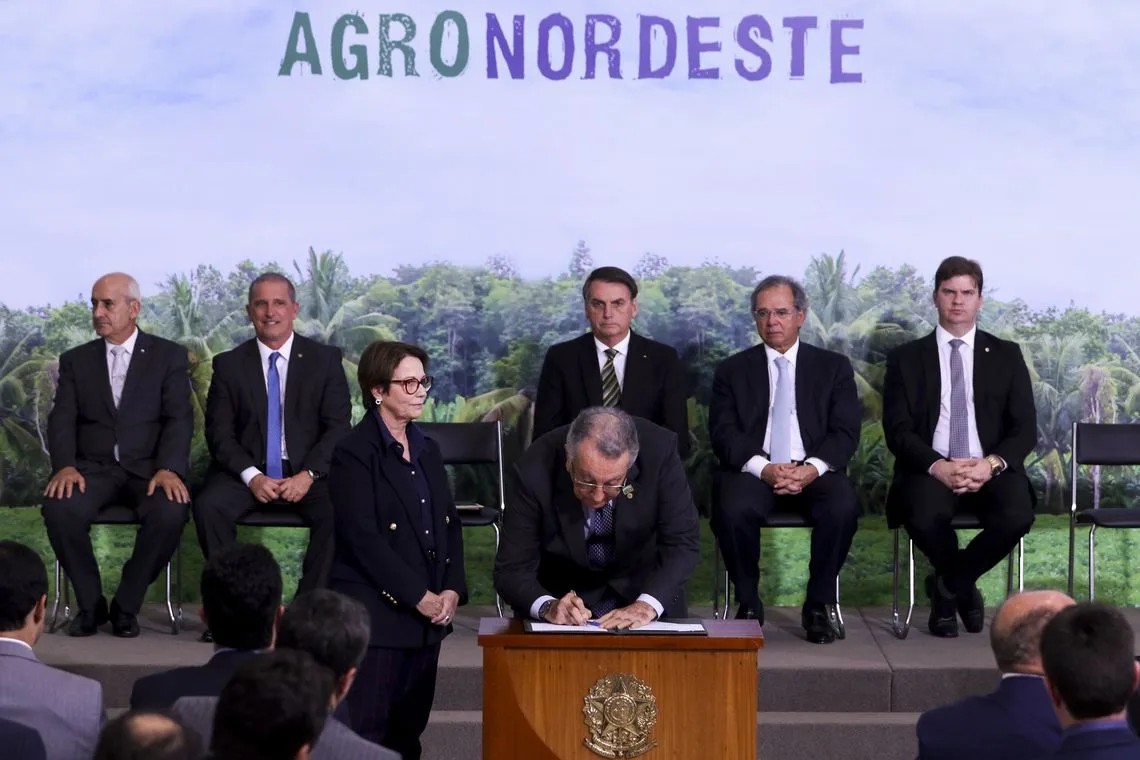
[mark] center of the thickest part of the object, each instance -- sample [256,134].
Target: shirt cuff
[755,465]
[819,465]
[538,603]
[652,602]
[248,474]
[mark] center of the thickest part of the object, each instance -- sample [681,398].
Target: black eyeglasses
[609,489]
[412,384]
[779,314]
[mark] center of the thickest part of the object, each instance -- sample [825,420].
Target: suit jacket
[653,386]
[656,532]
[21,742]
[66,709]
[379,555]
[1003,405]
[336,741]
[1102,744]
[827,405]
[1017,720]
[159,691]
[318,410]
[152,426]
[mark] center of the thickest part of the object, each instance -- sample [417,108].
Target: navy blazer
[380,558]
[827,406]
[1016,721]
[158,691]
[1098,744]
[21,742]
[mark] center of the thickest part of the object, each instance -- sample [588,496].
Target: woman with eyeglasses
[399,547]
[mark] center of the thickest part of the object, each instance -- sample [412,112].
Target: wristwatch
[545,608]
[315,475]
[995,465]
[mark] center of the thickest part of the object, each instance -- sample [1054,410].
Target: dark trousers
[391,699]
[1004,505]
[742,501]
[225,499]
[68,523]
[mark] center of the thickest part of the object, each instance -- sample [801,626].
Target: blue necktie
[273,434]
[959,413]
[600,550]
[781,443]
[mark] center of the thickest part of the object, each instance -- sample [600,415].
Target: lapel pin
[987,349]
[299,355]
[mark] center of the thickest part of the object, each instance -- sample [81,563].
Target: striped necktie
[611,391]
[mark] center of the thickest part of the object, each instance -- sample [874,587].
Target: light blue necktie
[959,410]
[781,448]
[273,434]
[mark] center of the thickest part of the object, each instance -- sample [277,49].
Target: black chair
[774,519]
[116,515]
[1100,444]
[465,443]
[960,521]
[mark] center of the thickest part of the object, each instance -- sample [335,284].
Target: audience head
[273,708]
[601,446]
[610,294]
[958,294]
[393,378]
[147,736]
[779,306]
[241,597]
[1089,658]
[115,305]
[23,592]
[333,628]
[272,308]
[1015,634]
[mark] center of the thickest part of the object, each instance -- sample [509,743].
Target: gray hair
[611,430]
[273,277]
[799,296]
[1019,643]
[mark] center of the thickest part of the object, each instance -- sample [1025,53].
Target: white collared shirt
[125,359]
[18,641]
[622,347]
[756,464]
[941,442]
[249,473]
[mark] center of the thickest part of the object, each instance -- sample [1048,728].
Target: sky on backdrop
[151,139]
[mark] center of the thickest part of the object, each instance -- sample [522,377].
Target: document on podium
[692,629]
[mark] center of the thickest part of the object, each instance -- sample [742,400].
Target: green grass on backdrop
[866,578]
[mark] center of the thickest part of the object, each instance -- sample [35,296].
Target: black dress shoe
[748,612]
[943,616]
[206,637]
[817,625]
[87,622]
[123,624]
[972,608]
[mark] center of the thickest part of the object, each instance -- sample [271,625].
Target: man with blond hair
[1018,719]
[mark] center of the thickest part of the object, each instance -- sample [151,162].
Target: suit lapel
[139,363]
[761,392]
[591,373]
[294,383]
[982,371]
[572,518]
[255,380]
[805,375]
[932,382]
[101,373]
[637,376]
[395,472]
[625,517]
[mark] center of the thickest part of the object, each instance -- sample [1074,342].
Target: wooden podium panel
[701,702]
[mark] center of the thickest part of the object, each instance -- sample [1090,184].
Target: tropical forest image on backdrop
[851,145]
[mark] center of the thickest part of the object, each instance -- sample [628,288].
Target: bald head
[151,735]
[1015,634]
[115,305]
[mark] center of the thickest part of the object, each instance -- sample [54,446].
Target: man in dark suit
[1018,719]
[784,421]
[1088,654]
[241,603]
[277,404]
[612,365]
[958,415]
[21,742]
[119,432]
[601,524]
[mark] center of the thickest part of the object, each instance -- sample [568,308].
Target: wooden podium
[581,696]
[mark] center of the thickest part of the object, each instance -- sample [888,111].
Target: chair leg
[841,628]
[178,563]
[716,581]
[1021,565]
[498,599]
[1009,574]
[899,627]
[170,602]
[1092,561]
[51,624]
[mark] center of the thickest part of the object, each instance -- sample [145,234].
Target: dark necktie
[611,391]
[959,414]
[273,420]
